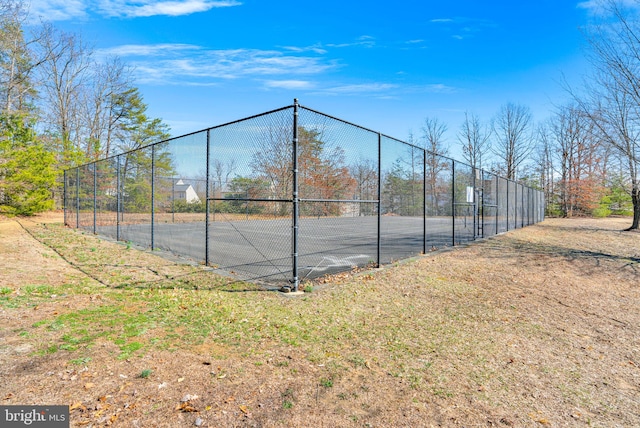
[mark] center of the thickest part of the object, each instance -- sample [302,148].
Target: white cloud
[602,7]
[161,49]
[317,48]
[183,63]
[145,8]
[359,89]
[57,10]
[288,84]
[438,88]
[62,10]
[366,41]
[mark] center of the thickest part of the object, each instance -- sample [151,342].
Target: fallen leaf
[8,396]
[77,405]
[180,379]
[186,407]
[243,409]
[88,385]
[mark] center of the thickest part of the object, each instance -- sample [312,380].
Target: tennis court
[293,194]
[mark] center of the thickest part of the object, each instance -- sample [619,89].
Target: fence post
[207,195]
[497,204]
[507,181]
[295,200]
[95,194]
[424,201]
[77,197]
[476,217]
[118,198]
[379,231]
[515,202]
[153,193]
[453,201]
[64,198]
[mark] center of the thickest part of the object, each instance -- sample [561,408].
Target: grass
[433,331]
[186,307]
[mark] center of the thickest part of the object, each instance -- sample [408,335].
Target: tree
[365,174]
[27,174]
[545,166]
[246,188]
[578,152]
[63,75]
[16,64]
[513,137]
[433,136]
[322,172]
[135,129]
[474,140]
[221,171]
[613,91]
[100,109]
[140,138]
[398,191]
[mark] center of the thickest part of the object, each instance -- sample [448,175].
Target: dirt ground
[536,327]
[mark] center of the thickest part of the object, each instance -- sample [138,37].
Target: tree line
[586,155]
[61,105]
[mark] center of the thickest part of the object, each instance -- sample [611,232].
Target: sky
[384,65]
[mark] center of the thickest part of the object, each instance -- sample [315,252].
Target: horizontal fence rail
[293,194]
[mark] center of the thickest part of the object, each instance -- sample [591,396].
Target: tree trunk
[635,198]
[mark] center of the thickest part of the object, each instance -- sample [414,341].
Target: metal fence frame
[479,203]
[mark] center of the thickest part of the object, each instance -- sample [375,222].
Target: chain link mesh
[256,202]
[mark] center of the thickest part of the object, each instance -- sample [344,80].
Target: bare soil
[536,327]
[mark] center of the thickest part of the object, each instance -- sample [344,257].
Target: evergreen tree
[27,175]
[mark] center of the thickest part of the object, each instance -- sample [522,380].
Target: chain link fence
[292,194]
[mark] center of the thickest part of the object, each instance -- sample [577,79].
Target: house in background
[185,192]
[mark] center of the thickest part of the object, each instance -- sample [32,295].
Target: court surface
[262,249]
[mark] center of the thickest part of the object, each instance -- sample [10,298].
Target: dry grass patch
[535,327]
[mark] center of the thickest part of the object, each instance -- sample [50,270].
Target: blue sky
[385,65]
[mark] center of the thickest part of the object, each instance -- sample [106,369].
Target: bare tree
[64,75]
[17,62]
[437,162]
[578,153]
[545,165]
[106,83]
[513,137]
[613,100]
[221,171]
[365,173]
[474,139]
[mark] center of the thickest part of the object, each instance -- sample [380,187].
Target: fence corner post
[295,201]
